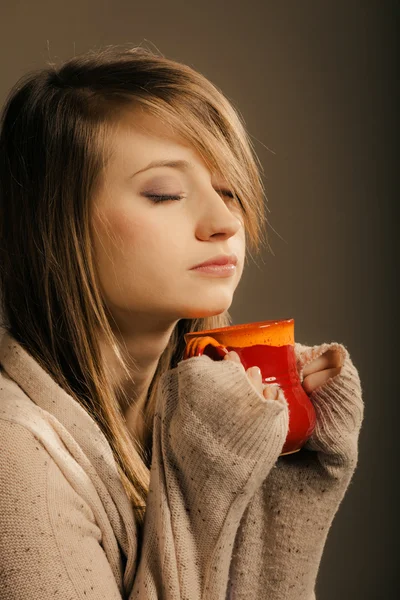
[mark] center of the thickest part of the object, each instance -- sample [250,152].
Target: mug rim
[253,324]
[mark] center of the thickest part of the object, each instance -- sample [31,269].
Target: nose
[220,216]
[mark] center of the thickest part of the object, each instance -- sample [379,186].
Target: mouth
[229,261]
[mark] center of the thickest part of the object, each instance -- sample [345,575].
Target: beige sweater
[225,519]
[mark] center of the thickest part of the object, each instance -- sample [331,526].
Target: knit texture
[285,526]
[215,441]
[225,517]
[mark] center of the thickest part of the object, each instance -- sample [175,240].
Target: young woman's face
[145,250]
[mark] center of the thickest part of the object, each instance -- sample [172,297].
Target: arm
[286,524]
[215,440]
[50,545]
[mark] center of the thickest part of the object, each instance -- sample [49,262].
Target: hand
[318,371]
[287,521]
[315,373]
[270,391]
[337,398]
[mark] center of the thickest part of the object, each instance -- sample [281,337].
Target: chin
[201,313]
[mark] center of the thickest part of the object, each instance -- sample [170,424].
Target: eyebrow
[183,165]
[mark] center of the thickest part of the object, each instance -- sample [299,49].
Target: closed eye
[165,197]
[226,193]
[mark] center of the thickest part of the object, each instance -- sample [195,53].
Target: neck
[141,350]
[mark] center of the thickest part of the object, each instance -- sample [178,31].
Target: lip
[220,259]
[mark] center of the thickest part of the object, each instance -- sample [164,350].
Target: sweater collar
[44,391]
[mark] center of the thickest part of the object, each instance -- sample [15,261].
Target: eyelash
[163,198]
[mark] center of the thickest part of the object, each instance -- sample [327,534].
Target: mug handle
[197,345]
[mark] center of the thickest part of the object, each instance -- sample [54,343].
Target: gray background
[314,82]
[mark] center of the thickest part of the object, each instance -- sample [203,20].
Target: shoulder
[14,402]
[31,448]
[24,463]
[22,429]
[37,470]
[21,420]
[48,528]
[18,413]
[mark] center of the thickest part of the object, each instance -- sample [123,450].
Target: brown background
[314,81]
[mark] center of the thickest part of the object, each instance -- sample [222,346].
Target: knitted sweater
[226,517]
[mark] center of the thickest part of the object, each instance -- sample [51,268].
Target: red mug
[270,346]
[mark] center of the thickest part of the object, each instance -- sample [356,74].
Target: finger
[271,391]
[331,359]
[254,374]
[314,380]
[232,355]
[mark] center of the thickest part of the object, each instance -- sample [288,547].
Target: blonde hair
[55,129]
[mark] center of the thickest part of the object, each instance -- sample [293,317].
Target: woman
[127,472]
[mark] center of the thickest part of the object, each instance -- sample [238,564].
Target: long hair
[54,146]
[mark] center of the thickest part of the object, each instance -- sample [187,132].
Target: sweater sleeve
[50,545]
[283,532]
[215,439]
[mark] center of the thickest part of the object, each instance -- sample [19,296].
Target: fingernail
[255,372]
[274,388]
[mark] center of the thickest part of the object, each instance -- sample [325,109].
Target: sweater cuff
[338,405]
[220,398]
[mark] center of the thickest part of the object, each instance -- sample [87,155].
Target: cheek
[124,226]
[132,240]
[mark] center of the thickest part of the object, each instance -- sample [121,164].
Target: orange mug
[270,346]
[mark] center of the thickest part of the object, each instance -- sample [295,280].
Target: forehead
[140,138]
